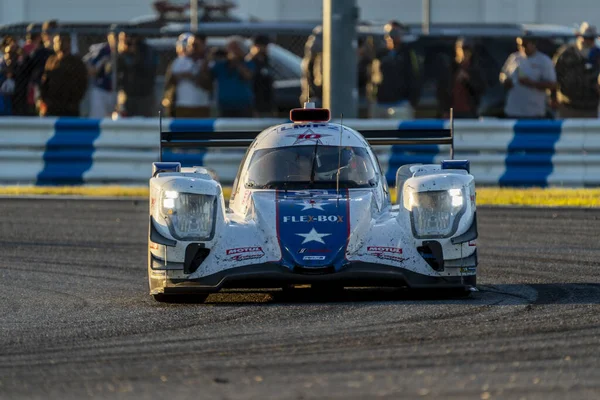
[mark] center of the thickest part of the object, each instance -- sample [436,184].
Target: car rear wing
[195,140]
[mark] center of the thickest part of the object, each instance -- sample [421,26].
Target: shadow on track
[491,295]
[249,297]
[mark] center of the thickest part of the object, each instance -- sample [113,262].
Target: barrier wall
[70,151]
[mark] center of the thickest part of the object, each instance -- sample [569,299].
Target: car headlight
[189,216]
[435,214]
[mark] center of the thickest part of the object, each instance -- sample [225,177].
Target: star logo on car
[311,205]
[313,236]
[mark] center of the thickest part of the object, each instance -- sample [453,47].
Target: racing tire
[175,298]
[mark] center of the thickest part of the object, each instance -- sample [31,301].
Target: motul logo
[244,250]
[395,250]
[314,218]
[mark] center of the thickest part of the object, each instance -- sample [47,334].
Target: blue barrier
[68,154]
[529,158]
[72,151]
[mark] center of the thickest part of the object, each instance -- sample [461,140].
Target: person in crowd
[528,75]
[32,39]
[7,82]
[36,62]
[395,77]
[578,70]
[461,82]
[170,91]
[137,69]
[263,77]
[233,77]
[99,62]
[64,81]
[365,55]
[14,80]
[312,71]
[186,97]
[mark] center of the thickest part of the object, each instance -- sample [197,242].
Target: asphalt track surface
[76,320]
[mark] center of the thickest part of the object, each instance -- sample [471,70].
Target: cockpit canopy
[311,166]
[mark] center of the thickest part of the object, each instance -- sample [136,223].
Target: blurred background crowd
[507,71]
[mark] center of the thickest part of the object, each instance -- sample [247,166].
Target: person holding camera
[233,78]
[185,96]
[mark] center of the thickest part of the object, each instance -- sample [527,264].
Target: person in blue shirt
[233,77]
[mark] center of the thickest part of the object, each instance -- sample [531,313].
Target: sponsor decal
[153,246]
[313,258]
[386,253]
[308,136]
[469,270]
[472,243]
[308,126]
[379,249]
[313,218]
[245,253]
[304,250]
[152,202]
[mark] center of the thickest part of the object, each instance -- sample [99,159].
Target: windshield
[292,168]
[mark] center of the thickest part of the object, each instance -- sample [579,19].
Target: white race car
[311,205]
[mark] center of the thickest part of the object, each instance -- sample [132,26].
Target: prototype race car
[311,205]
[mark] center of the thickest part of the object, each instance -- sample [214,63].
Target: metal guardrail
[66,151]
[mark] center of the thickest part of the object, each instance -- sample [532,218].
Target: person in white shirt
[529,76]
[185,94]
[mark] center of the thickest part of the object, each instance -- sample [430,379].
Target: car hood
[313,227]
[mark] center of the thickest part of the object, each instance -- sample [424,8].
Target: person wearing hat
[395,77]
[461,82]
[99,61]
[185,96]
[528,75]
[263,77]
[578,69]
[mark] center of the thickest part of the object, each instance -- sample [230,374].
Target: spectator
[137,68]
[365,59]
[395,77]
[235,97]
[263,77]
[312,71]
[461,82]
[185,95]
[527,74]
[7,82]
[577,69]
[64,81]
[32,39]
[36,62]
[99,63]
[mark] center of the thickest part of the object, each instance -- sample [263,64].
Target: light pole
[340,92]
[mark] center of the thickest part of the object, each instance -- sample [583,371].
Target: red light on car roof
[310,115]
